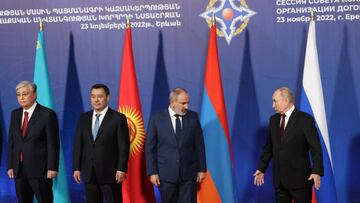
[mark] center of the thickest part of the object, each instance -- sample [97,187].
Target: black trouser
[95,192]
[301,195]
[27,187]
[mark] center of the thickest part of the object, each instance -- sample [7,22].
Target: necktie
[282,127]
[25,123]
[177,126]
[23,129]
[96,126]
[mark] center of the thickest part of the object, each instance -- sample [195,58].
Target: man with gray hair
[33,147]
[174,150]
[293,135]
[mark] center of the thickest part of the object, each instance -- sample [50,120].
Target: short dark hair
[101,86]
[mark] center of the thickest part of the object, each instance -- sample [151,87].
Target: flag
[219,184]
[312,102]
[137,187]
[44,97]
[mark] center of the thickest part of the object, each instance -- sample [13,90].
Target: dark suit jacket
[108,153]
[291,161]
[40,146]
[170,159]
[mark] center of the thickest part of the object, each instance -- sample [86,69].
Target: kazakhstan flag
[44,97]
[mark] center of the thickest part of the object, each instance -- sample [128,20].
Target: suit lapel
[290,124]
[18,121]
[104,123]
[169,125]
[88,122]
[277,127]
[184,125]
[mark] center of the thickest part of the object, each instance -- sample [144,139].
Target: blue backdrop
[263,48]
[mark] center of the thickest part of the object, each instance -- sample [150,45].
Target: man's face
[280,104]
[181,104]
[99,100]
[26,97]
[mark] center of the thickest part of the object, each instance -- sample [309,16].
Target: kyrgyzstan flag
[137,187]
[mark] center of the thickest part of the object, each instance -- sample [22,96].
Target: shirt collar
[103,112]
[289,112]
[172,113]
[31,109]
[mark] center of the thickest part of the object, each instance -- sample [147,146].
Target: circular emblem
[136,128]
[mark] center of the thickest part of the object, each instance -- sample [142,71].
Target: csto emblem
[232,17]
[136,128]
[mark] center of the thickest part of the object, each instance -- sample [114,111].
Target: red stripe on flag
[313,200]
[213,83]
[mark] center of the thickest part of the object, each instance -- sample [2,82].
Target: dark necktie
[96,126]
[282,127]
[23,129]
[25,123]
[177,127]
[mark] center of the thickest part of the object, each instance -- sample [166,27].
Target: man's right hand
[77,177]
[10,173]
[258,178]
[155,180]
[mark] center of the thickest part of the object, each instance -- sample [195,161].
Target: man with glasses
[33,147]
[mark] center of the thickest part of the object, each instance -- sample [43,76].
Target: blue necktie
[96,126]
[177,127]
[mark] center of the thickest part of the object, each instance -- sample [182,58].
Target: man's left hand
[200,177]
[316,179]
[120,176]
[51,174]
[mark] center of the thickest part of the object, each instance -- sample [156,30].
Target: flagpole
[128,22]
[312,14]
[41,25]
[213,20]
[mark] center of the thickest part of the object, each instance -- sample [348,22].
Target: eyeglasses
[25,94]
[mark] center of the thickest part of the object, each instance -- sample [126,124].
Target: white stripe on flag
[313,88]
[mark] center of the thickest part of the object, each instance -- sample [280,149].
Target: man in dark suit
[101,149]
[175,152]
[293,135]
[33,148]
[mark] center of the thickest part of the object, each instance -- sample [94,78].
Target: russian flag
[219,183]
[312,102]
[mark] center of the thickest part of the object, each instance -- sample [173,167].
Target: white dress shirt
[288,114]
[101,117]
[30,111]
[173,118]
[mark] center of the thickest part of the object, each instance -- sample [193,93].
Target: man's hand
[258,178]
[51,174]
[200,177]
[317,181]
[155,180]
[120,176]
[10,173]
[77,176]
